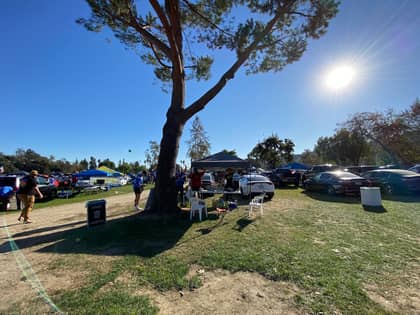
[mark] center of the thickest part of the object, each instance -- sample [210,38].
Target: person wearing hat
[26,193]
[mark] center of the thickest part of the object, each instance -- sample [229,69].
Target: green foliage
[230,152]
[92,163]
[28,160]
[398,134]
[272,152]
[309,157]
[343,148]
[108,163]
[152,155]
[216,25]
[198,144]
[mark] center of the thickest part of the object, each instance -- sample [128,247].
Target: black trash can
[96,212]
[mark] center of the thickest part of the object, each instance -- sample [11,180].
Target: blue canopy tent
[93,173]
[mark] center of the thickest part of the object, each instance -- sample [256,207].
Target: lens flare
[340,77]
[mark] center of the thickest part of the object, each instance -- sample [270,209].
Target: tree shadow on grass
[332,198]
[137,234]
[402,198]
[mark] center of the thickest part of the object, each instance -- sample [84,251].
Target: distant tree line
[27,160]
[371,138]
[365,138]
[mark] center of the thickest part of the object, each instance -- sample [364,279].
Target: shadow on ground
[137,234]
[332,198]
[375,209]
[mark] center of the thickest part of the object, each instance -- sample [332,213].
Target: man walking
[26,193]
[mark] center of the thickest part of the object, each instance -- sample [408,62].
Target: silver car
[256,184]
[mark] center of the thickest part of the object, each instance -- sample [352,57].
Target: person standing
[26,193]
[179,185]
[195,180]
[138,185]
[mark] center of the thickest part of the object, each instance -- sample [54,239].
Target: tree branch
[230,73]
[194,10]
[141,29]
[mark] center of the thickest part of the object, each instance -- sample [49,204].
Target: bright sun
[340,77]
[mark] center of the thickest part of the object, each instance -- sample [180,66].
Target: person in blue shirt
[138,186]
[179,184]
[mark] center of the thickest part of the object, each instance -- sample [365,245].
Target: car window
[258,178]
[317,177]
[325,176]
[42,181]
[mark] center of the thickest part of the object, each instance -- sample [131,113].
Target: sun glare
[340,77]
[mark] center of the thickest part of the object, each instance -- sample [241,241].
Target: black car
[48,190]
[316,169]
[284,176]
[336,182]
[359,170]
[394,181]
[415,168]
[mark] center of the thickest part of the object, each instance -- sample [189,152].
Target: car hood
[351,178]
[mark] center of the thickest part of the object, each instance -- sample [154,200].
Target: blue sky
[74,94]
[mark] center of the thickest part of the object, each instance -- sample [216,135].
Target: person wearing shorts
[138,185]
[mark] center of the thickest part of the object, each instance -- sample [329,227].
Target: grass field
[341,257]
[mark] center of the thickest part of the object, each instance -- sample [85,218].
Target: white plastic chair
[199,206]
[257,202]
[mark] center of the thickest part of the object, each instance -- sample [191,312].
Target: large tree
[343,148]
[272,151]
[198,144]
[264,36]
[398,134]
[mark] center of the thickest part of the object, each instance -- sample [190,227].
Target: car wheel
[388,189]
[331,190]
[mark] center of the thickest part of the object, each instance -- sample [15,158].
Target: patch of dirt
[223,292]
[14,287]
[403,297]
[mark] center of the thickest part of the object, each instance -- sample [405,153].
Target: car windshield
[345,175]
[257,178]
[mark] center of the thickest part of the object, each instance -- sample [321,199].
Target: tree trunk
[165,198]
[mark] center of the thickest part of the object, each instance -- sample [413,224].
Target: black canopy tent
[221,161]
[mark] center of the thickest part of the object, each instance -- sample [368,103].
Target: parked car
[335,182]
[415,168]
[284,176]
[359,170]
[46,188]
[208,182]
[256,184]
[393,181]
[316,169]
[10,180]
